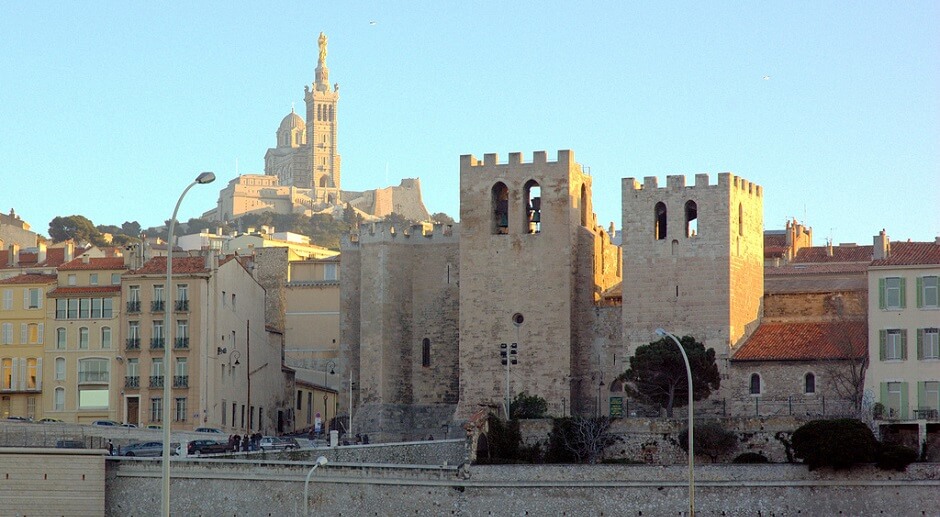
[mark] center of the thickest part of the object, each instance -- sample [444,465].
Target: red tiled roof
[86,289]
[28,258]
[95,263]
[911,254]
[181,265]
[30,279]
[775,239]
[839,254]
[55,256]
[805,342]
[816,269]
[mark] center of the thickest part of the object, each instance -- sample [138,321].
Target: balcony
[181,381]
[133,306]
[132,343]
[132,382]
[156,343]
[157,306]
[181,343]
[156,381]
[181,305]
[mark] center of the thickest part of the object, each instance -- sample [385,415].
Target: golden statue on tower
[322,42]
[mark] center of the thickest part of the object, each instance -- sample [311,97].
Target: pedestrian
[236,442]
[110,448]
[246,443]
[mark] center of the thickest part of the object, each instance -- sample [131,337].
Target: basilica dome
[292,121]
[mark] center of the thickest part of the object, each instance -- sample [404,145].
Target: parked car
[70,444]
[278,443]
[208,430]
[143,449]
[197,447]
[19,419]
[50,421]
[131,426]
[154,426]
[105,423]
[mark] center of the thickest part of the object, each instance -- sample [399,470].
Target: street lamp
[688,370]
[319,463]
[331,368]
[202,179]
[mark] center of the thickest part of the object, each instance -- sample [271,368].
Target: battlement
[565,157]
[382,231]
[726,181]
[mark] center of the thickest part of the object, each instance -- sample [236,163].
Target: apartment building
[311,325]
[22,325]
[82,344]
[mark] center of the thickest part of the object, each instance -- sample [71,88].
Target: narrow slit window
[426,352]
[500,209]
[533,207]
[691,219]
[660,221]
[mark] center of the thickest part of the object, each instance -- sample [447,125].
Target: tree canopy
[76,227]
[657,373]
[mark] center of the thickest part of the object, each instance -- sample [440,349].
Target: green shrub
[710,439]
[751,457]
[504,444]
[896,457]
[528,406]
[840,443]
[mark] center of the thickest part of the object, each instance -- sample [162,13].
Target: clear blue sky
[108,109]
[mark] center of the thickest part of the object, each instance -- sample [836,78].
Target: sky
[109,109]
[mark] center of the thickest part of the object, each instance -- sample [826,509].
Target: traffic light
[502,353]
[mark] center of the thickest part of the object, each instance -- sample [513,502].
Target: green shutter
[883,334]
[922,401]
[903,410]
[920,344]
[884,397]
[903,292]
[920,292]
[903,344]
[881,293]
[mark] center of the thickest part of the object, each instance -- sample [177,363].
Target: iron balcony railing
[132,382]
[157,306]
[181,342]
[133,343]
[156,342]
[156,381]
[133,306]
[181,305]
[181,381]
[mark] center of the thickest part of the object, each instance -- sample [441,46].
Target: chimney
[85,258]
[882,246]
[828,247]
[14,255]
[68,251]
[41,253]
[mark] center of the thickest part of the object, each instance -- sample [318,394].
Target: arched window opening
[331,113]
[324,180]
[616,386]
[584,205]
[533,207]
[740,219]
[500,201]
[675,247]
[809,383]
[755,384]
[319,112]
[426,352]
[691,219]
[660,225]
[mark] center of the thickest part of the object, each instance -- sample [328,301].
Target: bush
[528,406]
[504,444]
[840,443]
[896,457]
[751,457]
[710,439]
[579,440]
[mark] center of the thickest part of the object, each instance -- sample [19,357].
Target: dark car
[197,447]
[70,444]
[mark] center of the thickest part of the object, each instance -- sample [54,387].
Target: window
[6,334]
[426,352]
[500,200]
[93,371]
[251,417]
[234,408]
[329,272]
[891,293]
[659,224]
[929,396]
[533,206]
[157,340]
[105,337]
[740,219]
[6,372]
[224,301]
[60,343]
[133,367]
[93,279]
[60,368]
[34,333]
[96,308]
[927,292]
[60,399]
[8,299]
[133,293]
[84,308]
[181,375]
[181,409]
[182,297]
[158,293]
[34,298]
[928,343]
[809,383]
[73,309]
[300,400]
[107,306]
[893,345]
[222,407]
[31,378]
[115,279]
[755,384]
[233,301]
[71,279]
[156,409]
[182,334]
[61,309]
[156,367]
[691,218]
[92,398]
[585,212]
[83,338]
[894,399]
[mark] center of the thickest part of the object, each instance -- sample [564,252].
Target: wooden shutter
[903,344]
[881,293]
[903,282]
[904,404]
[883,335]
[920,344]
[884,396]
[920,292]
[922,401]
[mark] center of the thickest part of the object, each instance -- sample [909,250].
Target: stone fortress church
[302,172]
[426,309]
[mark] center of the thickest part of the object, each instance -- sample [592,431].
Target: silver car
[143,449]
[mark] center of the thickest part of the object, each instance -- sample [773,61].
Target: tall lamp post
[202,179]
[688,370]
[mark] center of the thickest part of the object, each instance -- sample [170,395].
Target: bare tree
[580,439]
[845,369]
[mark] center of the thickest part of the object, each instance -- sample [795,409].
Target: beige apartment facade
[312,317]
[904,330]
[83,342]
[22,329]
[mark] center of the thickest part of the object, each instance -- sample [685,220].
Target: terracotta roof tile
[87,289]
[805,342]
[95,263]
[817,269]
[775,239]
[911,254]
[181,265]
[819,254]
[55,256]
[30,279]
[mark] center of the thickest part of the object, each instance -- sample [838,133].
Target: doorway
[133,410]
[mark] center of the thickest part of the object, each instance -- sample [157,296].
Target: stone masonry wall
[814,306]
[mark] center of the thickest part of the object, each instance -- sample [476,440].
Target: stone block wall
[815,306]
[783,390]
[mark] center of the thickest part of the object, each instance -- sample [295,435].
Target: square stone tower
[692,260]
[520,234]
